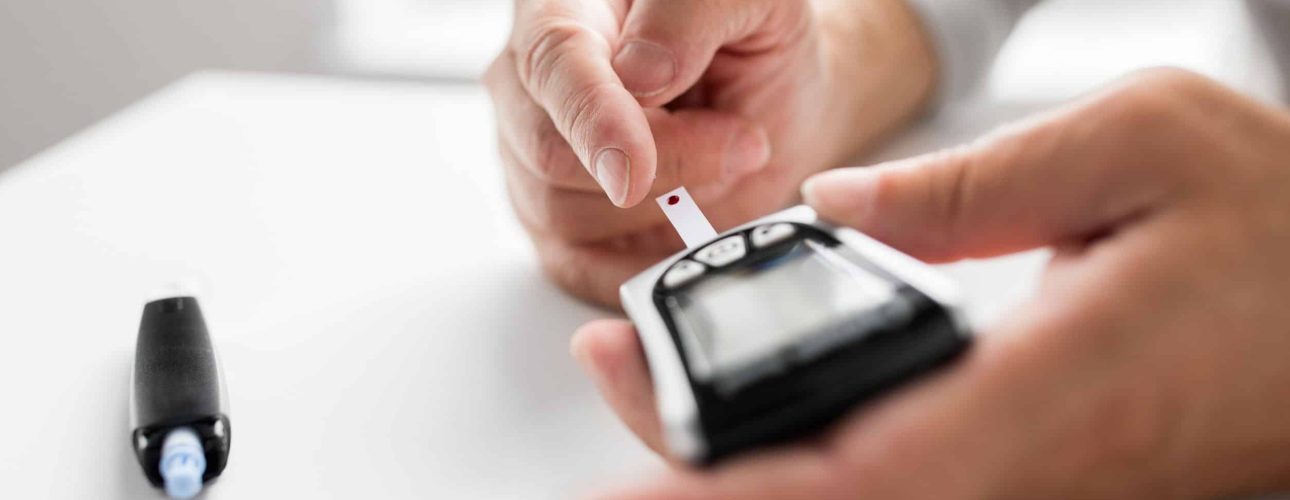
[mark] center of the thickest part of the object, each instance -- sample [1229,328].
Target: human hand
[739,100]
[1151,364]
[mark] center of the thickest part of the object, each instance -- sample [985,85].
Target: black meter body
[776,328]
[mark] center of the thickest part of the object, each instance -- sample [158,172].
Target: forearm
[1273,20]
[882,69]
[967,34]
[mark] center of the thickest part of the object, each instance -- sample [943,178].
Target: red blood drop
[674,199]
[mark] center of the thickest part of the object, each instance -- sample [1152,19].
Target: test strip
[686,217]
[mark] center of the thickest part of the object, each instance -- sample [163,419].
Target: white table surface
[381,320]
[382,323]
[383,328]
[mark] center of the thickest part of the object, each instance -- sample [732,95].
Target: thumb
[668,44]
[611,353]
[1030,185]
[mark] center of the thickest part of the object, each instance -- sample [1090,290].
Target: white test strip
[686,217]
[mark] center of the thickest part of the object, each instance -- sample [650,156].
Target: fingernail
[748,151]
[809,187]
[613,169]
[645,68]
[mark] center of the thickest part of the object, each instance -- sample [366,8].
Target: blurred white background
[69,63]
[66,64]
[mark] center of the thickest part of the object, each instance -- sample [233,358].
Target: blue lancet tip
[182,463]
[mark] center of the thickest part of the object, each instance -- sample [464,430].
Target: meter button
[722,252]
[896,313]
[768,235]
[683,272]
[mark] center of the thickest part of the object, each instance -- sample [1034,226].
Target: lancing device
[178,402]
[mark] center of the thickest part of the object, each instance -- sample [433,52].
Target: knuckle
[1135,108]
[493,74]
[551,157]
[1176,82]
[938,185]
[579,109]
[952,197]
[1159,97]
[550,44]
[1157,110]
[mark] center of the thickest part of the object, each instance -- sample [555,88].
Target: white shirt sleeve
[967,34]
[1273,20]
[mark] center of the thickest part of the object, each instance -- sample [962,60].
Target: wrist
[883,69]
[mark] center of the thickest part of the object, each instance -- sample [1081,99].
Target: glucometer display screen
[733,322]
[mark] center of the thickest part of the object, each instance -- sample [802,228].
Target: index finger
[563,53]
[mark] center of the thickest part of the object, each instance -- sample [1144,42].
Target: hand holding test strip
[602,118]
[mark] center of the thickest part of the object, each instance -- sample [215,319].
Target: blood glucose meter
[774,329]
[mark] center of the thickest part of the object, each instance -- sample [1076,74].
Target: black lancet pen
[178,402]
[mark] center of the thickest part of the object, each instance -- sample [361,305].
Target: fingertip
[640,164]
[603,344]
[639,190]
[625,178]
[613,169]
[809,188]
[579,345]
[613,357]
[845,194]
